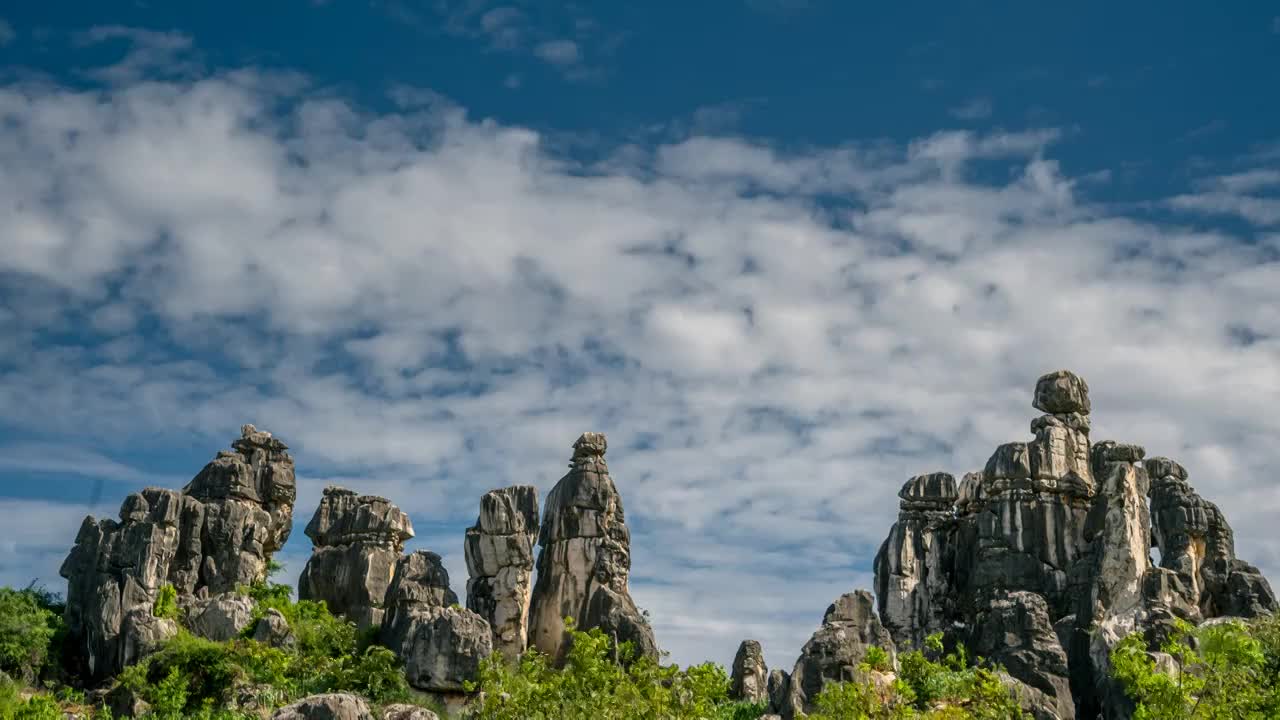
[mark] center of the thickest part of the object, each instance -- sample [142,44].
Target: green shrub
[29,622]
[1229,670]
[166,604]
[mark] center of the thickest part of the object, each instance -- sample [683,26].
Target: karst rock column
[357,542]
[499,553]
[585,559]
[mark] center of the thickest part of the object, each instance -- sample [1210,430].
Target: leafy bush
[29,621]
[189,676]
[1228,670]
[166,604]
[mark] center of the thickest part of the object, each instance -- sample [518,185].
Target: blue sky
[786,254]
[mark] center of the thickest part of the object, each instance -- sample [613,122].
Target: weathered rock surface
[407,712]
[215,535]
[585,559]
[749,678]
[442,644]
[220,618]
[357,541]
[1042,560]
[273,629]
[499,553]
[849,628]
[333,706]
[1014,631]
[779,687]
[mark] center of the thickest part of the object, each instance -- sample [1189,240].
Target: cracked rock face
[749,680]
[358,540]
[1042,560]
[333,706]
[217,534]
[585,559]
[499,553]
[441,644]
[849,628]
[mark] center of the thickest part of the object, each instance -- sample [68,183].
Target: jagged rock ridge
[217,534]
[1042,561]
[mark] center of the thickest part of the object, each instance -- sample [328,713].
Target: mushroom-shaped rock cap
[937,486]
[1162,467]
[1062,391]
[590,444]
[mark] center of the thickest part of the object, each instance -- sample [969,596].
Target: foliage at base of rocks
[1223,670]
[30,621]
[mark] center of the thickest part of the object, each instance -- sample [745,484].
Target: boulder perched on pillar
[358,540]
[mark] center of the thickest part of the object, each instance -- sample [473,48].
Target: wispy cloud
[975,109]
[7,33]
[428,307]
[151,53]
[1253,195]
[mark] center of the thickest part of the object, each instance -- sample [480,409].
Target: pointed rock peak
[1062,391]
[857,607]
[589,445]
[1162,467]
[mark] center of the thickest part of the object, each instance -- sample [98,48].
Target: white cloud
[558,52]
[975,109]
[1253,195]
[428,307]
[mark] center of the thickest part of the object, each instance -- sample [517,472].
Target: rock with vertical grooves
[217,534]
[913,567]
[499,553]
[749,680]
[779,688]
[1045,555]
[358,539]
[585,559]
[849,628]
[441,643]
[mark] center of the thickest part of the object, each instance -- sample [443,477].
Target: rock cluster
[215,535]
[1041,562]
[849,628]
[358,541]
[499,553]
[585,559]
[441,643]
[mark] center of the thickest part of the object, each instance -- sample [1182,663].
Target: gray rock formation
[849,628]
[357,542]
[915,595]
[332,706]
[220,618]
[585,559]
[1014,631]
[499,552]
[1042,561]
[1198,545]
[779,687]
[407,712]
[441,643]
[273,629]
[749,679]
[217,534]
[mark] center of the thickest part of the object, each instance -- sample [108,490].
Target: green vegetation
[1225,670]
[1228,670]
[30,621]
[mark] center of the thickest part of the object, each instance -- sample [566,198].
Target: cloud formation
[427,306]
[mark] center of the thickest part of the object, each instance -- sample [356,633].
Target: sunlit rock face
[357,542]
[217,534]
[849,629]
[499,553]
[1047,550]
[585,559]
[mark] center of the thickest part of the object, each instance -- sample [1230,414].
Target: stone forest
[1028,584]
